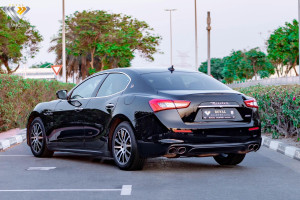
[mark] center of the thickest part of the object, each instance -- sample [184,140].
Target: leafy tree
[217,66]
[241,65]
[283,49]
[42,65]
[236,67]
[259,63]
[16,41]
[97,40]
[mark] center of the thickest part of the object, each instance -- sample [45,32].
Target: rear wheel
[124,148]
[229,159]
[37,139]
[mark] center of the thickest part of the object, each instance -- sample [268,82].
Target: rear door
[100,109]
[69,115]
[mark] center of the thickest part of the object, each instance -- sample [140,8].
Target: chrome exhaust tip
[181,150]
[172,150]
[255,147]
[250,147]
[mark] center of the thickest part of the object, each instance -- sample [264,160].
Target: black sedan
[136,113]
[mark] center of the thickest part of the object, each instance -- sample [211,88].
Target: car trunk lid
[209,106]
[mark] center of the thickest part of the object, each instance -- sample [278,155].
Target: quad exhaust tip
[253,147]
[172,150]
[181,150]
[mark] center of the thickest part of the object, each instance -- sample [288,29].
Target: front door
[69,115]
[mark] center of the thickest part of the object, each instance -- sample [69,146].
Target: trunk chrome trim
[219,106]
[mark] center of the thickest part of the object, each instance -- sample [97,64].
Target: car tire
[229,159]
[37,139]
[124,148]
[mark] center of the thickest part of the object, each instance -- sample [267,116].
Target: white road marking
[126,190]
[14,155]
[63,190]
[40,168]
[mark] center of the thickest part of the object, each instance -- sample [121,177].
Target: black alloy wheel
[37,139]
[124,148]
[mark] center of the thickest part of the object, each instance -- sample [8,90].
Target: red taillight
[252,103]
[164,104]
[253,129]
[182,130]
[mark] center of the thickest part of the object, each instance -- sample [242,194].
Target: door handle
[110,106]
[78,109]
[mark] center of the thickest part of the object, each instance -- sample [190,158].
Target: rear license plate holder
[218,113]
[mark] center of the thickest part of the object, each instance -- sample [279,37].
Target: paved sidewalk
[12,137]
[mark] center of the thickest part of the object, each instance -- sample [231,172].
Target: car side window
[113,84]
[87,88]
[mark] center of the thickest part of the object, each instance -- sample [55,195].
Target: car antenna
[171,69]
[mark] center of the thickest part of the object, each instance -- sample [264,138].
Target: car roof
[145,70]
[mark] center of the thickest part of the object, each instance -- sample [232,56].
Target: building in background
[36,73]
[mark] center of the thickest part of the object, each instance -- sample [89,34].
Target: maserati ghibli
[133,114]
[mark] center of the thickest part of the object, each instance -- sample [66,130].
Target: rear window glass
[183,81]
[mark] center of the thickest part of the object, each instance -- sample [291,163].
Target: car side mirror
[62,94]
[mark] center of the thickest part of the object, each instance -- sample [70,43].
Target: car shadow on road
[154,164]
[182,164]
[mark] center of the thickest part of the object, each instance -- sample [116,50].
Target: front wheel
[229,159]
[37,139]
[124,148]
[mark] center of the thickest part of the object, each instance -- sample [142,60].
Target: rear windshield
[183,81]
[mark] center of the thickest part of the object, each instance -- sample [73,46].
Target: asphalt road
[265,175]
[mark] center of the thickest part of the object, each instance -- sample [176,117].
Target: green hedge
[19,96]
[279,108]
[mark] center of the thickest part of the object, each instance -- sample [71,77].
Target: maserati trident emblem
[16,12]
[207,112]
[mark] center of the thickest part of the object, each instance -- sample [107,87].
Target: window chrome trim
[103,82]
[88,78]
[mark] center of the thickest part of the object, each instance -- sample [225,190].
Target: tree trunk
[295,71]
[255,72]
[15,69]
[92,58]
[277,69]
[83,67]
[101,65]
[294,66]
[7,67]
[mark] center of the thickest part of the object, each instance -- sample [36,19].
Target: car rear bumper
[151,149]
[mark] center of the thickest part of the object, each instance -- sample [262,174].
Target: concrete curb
[290,151]
[8,142]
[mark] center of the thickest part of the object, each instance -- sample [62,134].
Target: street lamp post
[208,43]
[64,43]
[299,39]
[196,37]
[171,42]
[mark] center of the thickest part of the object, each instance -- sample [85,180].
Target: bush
[279,108]
[19,96]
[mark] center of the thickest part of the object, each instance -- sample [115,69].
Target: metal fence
[270,81]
